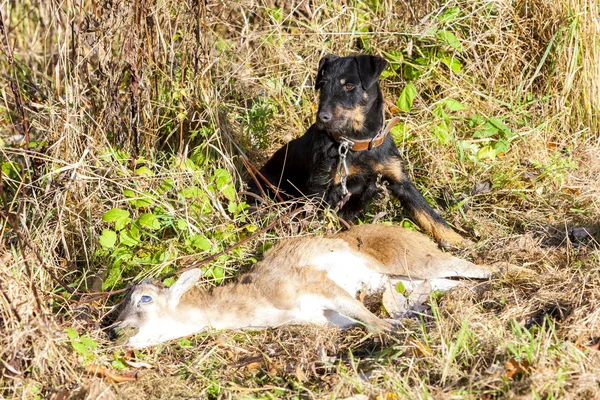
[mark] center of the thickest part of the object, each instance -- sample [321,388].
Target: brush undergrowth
[122,127]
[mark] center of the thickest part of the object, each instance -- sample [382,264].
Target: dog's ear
[369,69]
[322,64]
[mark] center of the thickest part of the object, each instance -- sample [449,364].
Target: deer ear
[369,69]
[186,281]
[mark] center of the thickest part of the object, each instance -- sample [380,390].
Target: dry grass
[172,81]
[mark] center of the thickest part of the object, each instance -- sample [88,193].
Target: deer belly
[350,271]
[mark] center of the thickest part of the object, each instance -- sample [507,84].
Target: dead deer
[308,280]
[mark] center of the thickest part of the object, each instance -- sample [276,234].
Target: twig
[253,170]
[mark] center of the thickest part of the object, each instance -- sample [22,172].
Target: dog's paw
[450,240]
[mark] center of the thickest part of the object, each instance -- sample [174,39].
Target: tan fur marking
[352,170]
[440,232]
[391,169]
[356,116]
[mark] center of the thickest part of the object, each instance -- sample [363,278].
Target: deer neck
[232,306]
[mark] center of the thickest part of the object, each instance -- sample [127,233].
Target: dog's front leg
[416,205]
[414,202]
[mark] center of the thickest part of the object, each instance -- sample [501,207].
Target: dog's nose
[325,116]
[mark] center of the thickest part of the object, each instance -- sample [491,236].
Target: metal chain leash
[342,167]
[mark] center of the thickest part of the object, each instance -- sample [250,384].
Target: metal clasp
[342,167]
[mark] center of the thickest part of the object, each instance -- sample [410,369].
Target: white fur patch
[349,271]
[161,330]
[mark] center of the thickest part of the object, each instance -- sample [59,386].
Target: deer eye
[145,300]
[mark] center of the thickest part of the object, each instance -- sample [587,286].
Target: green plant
[83,345]
[147,236]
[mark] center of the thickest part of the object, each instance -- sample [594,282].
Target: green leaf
[134,232]
[118,364]
[88,342]
[232,207]
[137,200]
[200,242]
[501,146]
[476,120]
[452,63]
[400,288]
[144,171]
[453,105]
[450,39]
[126,239]
[405,101]
[182,224]
[450,14]
[218,274]
[221,177]
[192,192]
[486,152]
[399,132]
[120,217]
[486,131]
[166,185]
[149,221]
[115,214]
[229,192]
[499,125]
[113,278]
[72,333]
[442,134]
[80,348]
[108,238]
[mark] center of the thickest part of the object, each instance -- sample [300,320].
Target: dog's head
[347,86]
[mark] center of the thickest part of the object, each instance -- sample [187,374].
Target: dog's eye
[145,300]
[348,86]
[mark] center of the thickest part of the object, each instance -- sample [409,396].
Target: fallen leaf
[579,233]
[395,303]
[595,346]
[530,176]
[418,348]
[420,294]
[322,355]
[109,375]
[253,366]
[137,364]
[63,394]
[568,190]
[481,188]
[300,375]
[514,367]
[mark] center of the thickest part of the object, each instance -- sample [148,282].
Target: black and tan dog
[341,156]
